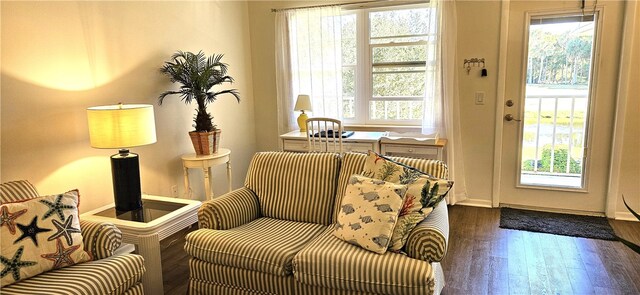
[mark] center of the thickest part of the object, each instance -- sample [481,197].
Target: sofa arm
[229,210]
[101,239]
[428,240]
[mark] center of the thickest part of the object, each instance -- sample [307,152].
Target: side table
[159,218]
[205,162]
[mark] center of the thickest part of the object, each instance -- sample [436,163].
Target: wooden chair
[324,135]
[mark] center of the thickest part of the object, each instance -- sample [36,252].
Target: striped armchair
[105,274]
[274,235]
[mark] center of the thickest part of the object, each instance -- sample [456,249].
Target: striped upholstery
[137,289]
[316,290]
[332,263]
[295,186]
[201,287]
[101,239]
[253,239]
[265,244]
[209,278]
[438,273]
[114,275]
[305,289]
[352,163]
[19,190]
[229,210]
[428,241]
[435,168]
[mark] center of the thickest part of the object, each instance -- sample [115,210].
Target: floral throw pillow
[379,167]
[423,194]
[369,212]
[39,235]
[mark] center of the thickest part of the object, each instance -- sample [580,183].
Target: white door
[560,85]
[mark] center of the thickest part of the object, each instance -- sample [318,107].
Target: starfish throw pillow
[39,235]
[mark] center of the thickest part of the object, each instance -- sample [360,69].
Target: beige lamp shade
[121,126]
[303,103]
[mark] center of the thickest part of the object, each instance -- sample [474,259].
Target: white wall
[478,37]
[630,169]
[58,58]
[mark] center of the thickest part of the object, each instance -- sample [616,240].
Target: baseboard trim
[626,216]
[476,203]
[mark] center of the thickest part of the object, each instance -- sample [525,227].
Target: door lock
[509,118]
[509,103]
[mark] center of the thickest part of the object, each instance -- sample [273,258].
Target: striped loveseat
[274,235]
[105,274]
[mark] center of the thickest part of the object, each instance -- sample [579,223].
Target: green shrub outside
[559,161]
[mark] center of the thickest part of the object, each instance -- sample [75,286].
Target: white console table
[363,141]
[414,149]
[296,141]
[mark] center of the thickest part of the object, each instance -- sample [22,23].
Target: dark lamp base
[125,170]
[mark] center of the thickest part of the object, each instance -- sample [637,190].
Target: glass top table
[150,211]
[159,218]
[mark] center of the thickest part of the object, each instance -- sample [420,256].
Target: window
[385,55]
[557,99]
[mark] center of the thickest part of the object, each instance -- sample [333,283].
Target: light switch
[479,97]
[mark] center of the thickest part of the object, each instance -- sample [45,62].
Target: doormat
[556,223]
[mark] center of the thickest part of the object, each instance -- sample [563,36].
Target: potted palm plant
[197,74]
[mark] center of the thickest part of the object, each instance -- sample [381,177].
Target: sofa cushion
[435,168]
[369,212]
[330,262]
[18,190]
[39,235]
[265,244]
[209,278]
[295,186]
[352,163]
[113,275]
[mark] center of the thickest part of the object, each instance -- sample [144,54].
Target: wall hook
[475,62]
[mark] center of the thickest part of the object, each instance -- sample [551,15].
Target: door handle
[509,118]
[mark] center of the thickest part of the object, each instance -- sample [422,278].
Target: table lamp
[120,127]
[303,104]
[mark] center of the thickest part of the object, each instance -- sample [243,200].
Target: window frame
[364,69]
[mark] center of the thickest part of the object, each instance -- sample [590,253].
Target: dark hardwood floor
[485,259]
[175,262]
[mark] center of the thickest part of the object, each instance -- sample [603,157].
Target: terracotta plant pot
[205,143]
